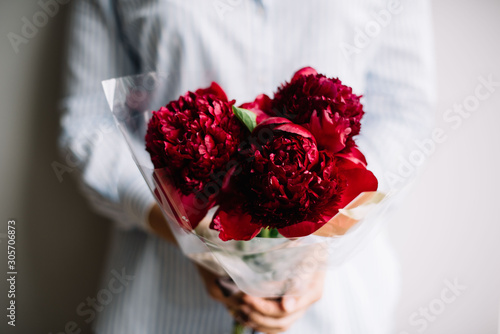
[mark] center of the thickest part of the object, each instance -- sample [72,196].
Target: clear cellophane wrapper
[263,267]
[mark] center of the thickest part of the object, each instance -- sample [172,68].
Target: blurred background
[446,232]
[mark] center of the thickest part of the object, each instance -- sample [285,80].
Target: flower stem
[265,233]
[238,328]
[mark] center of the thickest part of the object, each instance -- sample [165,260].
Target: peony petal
[359,180]
[262,107]
[300,229]
[209,143]
[352,153]
[214,89]
[304,72]
[195,209]
[296,129]
[228,179]
[331,133]
[326,88]
[271,122]
[234,225]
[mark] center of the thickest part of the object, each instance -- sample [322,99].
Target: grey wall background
[447,229]
[60,244]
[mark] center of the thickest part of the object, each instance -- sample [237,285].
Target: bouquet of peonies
[266,193]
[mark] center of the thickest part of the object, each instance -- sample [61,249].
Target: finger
[233,301]
[219,288]
[267,324]
[235,314]
[284,306]
[265,306]
[227,286]
[218,294]
[291,304]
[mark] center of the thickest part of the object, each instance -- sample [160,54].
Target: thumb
[288,303]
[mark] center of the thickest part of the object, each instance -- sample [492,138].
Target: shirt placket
[263,37]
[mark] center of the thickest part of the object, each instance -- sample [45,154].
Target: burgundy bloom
[323,105]
[288,184]
[262,107]
[192,140]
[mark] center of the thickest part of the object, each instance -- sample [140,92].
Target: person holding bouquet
[380,49]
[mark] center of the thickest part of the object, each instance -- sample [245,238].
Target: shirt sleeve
[90,141]
[399,97]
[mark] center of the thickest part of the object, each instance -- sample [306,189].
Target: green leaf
[246,117]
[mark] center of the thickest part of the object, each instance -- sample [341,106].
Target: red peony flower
[193,139]
[286,183]
[323,105]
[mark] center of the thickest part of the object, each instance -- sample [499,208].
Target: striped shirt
[381,49]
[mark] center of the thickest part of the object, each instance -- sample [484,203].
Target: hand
[278,315]
[231,299]
[264,314]
[159,225]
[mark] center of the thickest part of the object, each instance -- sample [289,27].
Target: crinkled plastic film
[265,267]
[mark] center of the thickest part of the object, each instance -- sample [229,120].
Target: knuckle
[267,308]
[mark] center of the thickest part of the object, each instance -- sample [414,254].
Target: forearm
[90,140]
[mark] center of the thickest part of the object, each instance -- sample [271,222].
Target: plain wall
[445,230]
[61,245]
[448,228]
